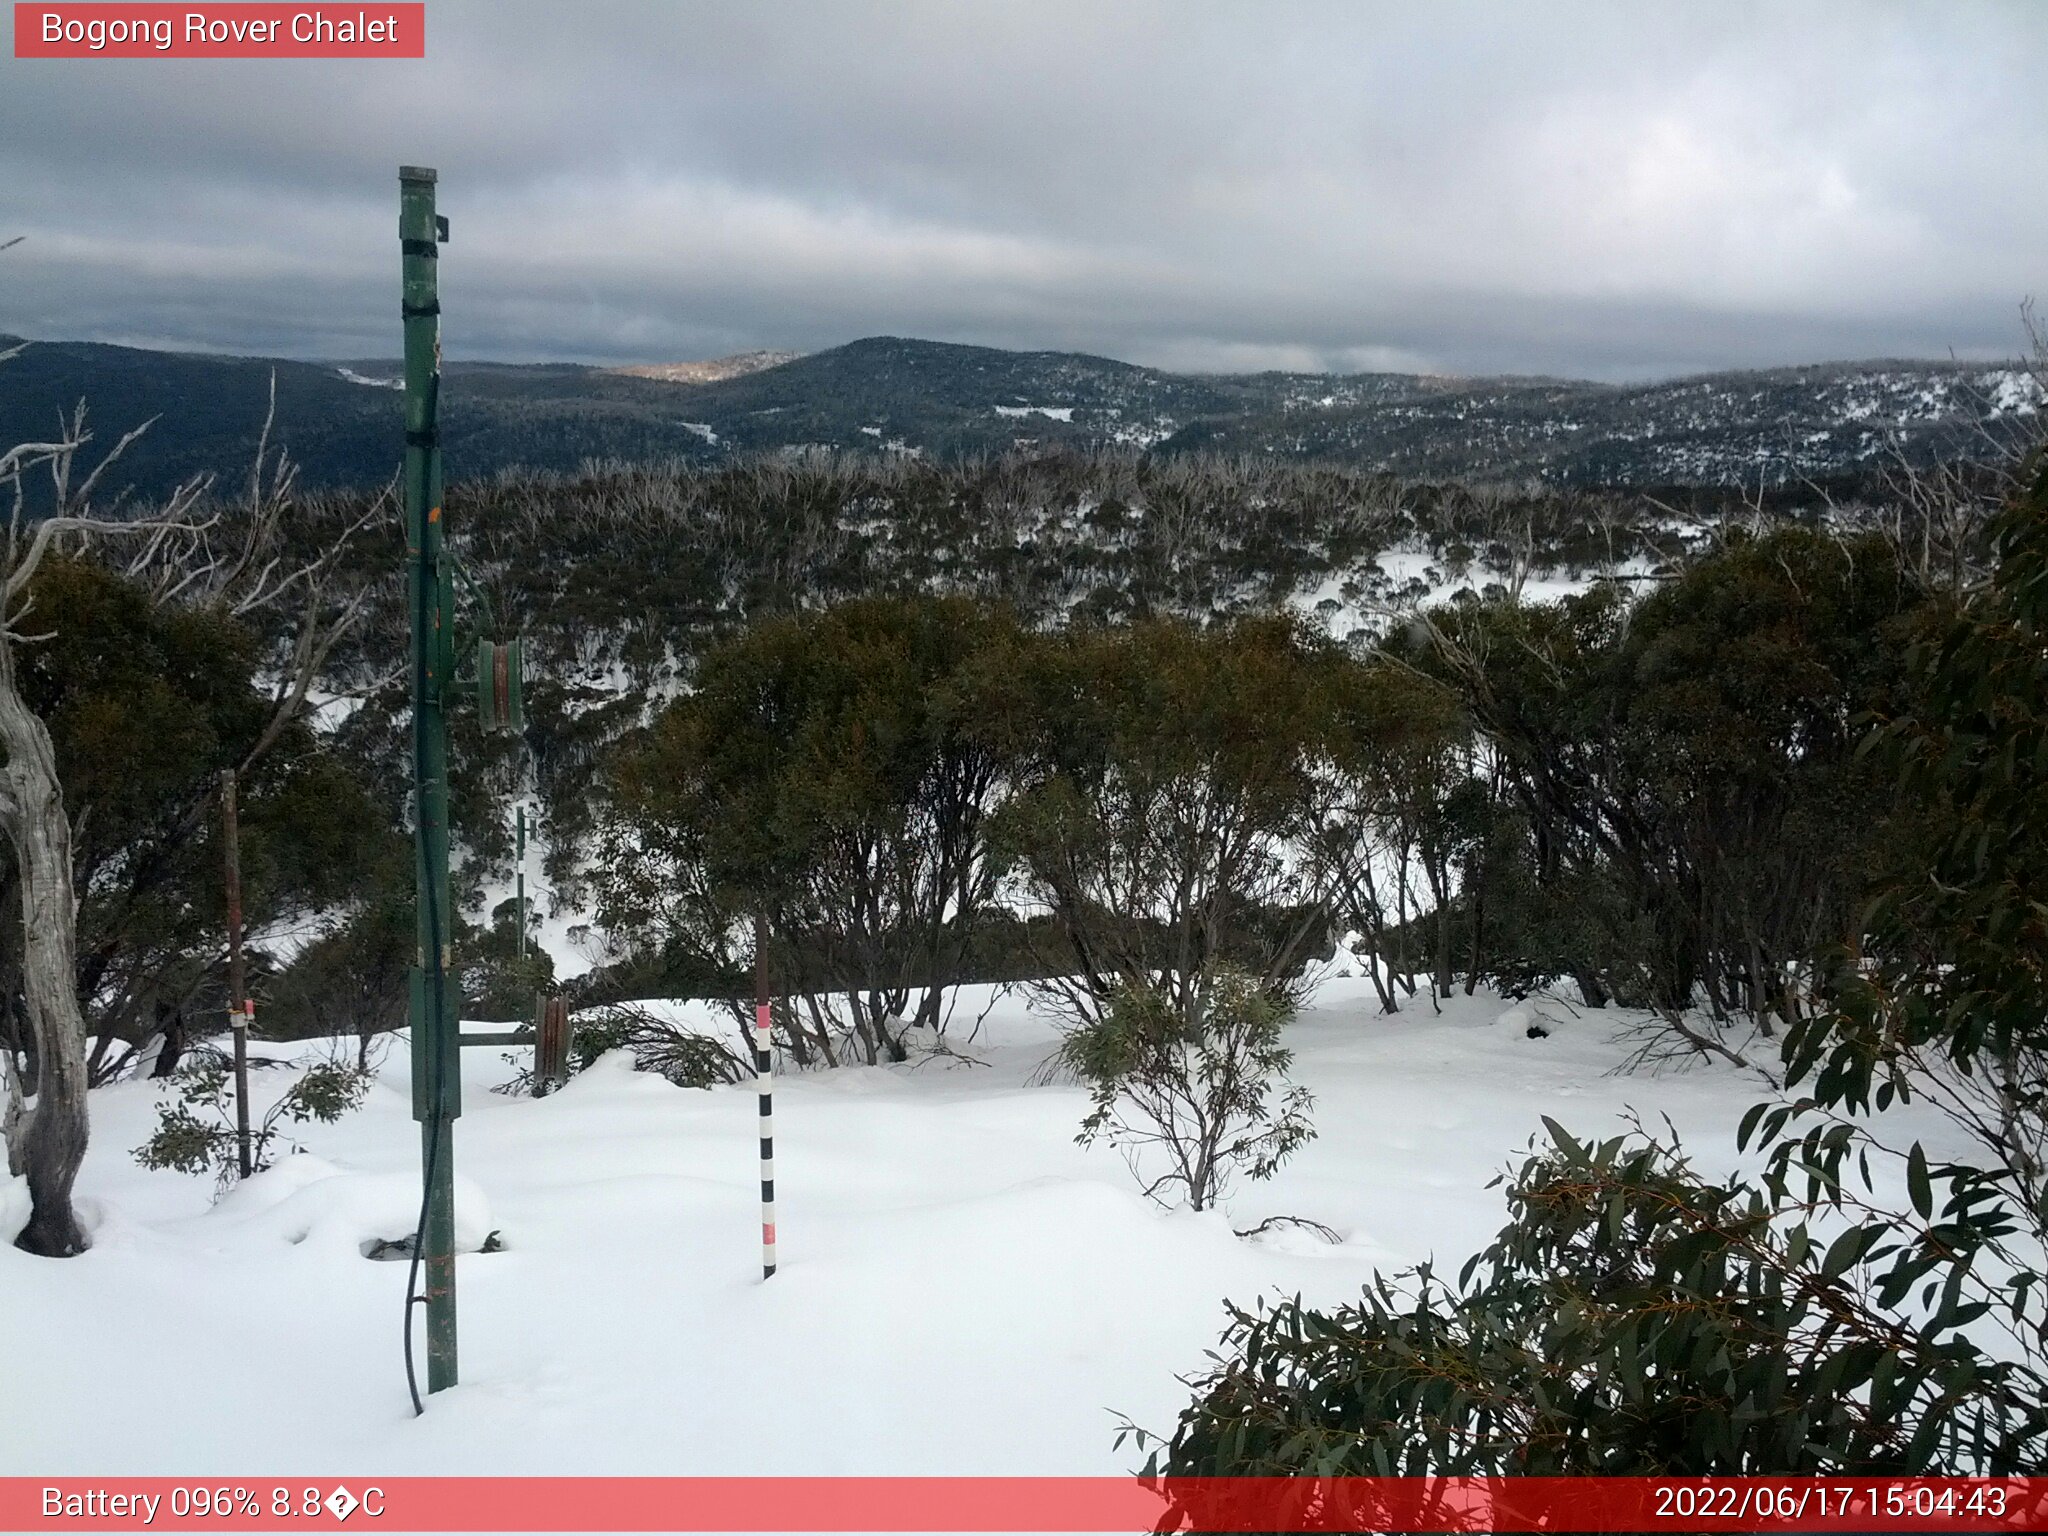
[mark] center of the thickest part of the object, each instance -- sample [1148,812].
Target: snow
[304,1198]
[361,378]
[14,1207]
[1056,412]
[964,1290]
[702,429]
[562,930]
[2013,392]
[1358,600]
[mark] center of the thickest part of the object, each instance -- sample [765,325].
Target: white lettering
[99,31]
[318,27]
[200,27]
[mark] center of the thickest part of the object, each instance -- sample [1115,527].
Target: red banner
[234,31]
[1053,1504]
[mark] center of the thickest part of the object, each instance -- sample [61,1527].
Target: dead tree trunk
[47,1140]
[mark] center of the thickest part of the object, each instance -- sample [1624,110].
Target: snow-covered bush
[1198,1092]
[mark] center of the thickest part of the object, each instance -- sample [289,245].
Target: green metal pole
[436,1080]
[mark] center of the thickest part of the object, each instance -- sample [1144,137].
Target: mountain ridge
[904,395]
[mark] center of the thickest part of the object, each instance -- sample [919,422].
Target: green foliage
[146,704]
[1630,1319]
[598,1036]
[1689,766]
[1162,774]
[1194,1089]
[1944,998]
[196,1129]
[825,776]
[356,978]
[1634,1318]
[1397,790]
[497,980]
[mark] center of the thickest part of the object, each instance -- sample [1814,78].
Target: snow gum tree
[202,568]
[1164,776]
[824,773]
[45,1138]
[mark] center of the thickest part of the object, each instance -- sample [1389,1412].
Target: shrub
[1631,1318]
[196,1127]
[1199,1089]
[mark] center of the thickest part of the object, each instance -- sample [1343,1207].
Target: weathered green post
[437,1096]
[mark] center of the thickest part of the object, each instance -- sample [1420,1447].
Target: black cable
[436,992]
[419,1245]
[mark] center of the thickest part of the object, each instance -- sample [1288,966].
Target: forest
[1159,742]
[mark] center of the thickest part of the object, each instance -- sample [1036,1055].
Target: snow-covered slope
[963,1289]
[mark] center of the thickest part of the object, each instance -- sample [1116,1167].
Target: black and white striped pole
[764,1079]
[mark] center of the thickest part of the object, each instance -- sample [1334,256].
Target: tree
[1391,794]
[1942,997]
[146,703]
[46,1141]
[356,977]
[823,774]
[1633,1317]
[498,978]
[1164,776]
[182,553]
[1688,762]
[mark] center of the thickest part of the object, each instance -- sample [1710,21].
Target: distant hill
[890,395]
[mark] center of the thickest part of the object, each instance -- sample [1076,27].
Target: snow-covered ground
[963,1289]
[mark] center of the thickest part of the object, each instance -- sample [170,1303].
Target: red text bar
[236,31]
[1059,1504]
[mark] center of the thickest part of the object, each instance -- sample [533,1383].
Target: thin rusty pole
[241,1011]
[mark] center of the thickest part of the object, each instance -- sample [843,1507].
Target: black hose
[412,1272]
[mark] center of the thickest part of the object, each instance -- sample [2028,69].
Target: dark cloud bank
[1614,191]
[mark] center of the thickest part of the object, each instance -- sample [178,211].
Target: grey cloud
[1609,190]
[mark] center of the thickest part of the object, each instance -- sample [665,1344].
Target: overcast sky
[1616,191]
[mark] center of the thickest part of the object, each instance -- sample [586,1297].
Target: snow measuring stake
[430,567]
